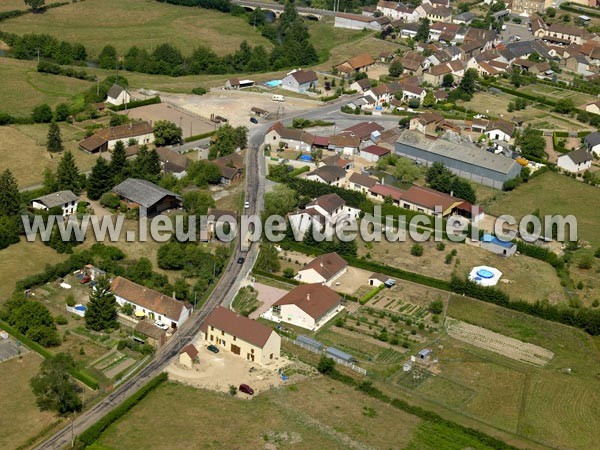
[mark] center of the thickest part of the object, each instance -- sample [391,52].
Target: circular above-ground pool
[484,273]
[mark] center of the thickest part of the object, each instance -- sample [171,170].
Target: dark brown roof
[230,165]
[364,129]
[147,298]
[362,180]
[502,125]
[328,202]
[376,150]
[147,328]
[126,131]
[360,61]
[304,76]
[440,69]
[190,350]
[386,190]
[92,143]
[329,173]
[327,265]
[316,300]
[345,140]
[241,327]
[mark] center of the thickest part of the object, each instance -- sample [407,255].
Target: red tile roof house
[326,212]
[291,137]
[150,304]
[373,153]
[324,269]
[308,306]
[188,356]
[244,337]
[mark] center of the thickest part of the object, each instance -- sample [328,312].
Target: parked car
[85,279]
[212,348]
[241,260]
[162,326]
[246,389]
[253,120]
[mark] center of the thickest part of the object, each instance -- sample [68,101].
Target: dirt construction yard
[235,105]
[218,371]
[190,124]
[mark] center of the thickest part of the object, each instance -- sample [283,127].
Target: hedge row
[369,295]
[197,137]
[367,388]
[299,171]
[80,374]
[135,104]
[516,93]
[567,6]
[93,433]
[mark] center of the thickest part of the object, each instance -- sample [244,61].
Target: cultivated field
[553,194]
[498,343]
[559,403]
[23,87]
[28,163]
[147,24]
[555,93]
[20,418]
[314,414]
[496,105]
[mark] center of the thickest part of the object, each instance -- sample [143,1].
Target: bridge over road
[277,9]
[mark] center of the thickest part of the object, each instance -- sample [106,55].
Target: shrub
[70,300]
[440,246]
[326,365]
[232,388]
[436,307]
[60,320]
[110,200]
[416,250]
[199,91]
[586,262]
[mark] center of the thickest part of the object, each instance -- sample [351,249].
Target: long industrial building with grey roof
[465,160]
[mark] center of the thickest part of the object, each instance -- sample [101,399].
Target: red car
[246,389]
[85,279]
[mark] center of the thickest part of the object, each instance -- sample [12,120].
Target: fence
[310,348]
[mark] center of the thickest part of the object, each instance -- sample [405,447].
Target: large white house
[244,337]
[65,199]
[150,304]
[300,81]
[307,306]
[575,161]
[324,269]
[325,213]
[292,138]
[118,95]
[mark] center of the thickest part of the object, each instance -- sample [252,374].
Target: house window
[222,333]
[212,328]
[271,356]
[234,338]
[251,350]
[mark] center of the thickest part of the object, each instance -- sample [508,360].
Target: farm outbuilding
[425,354]
[495,245]
[305,341]
[339,355]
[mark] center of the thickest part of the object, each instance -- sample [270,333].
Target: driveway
[219,371]
[267,295]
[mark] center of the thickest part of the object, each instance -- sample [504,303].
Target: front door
[250,357]
[235,349]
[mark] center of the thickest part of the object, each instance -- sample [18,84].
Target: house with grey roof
[117,95]
[575,161]
[66,200]
[592,142]
[137,193]
[464,159]
[464,18]
[300,81]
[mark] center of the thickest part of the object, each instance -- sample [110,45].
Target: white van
[278,98]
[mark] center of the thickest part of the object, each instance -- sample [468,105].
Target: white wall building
[575,161]
[66,200]
[324,269]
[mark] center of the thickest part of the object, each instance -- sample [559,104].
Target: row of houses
[433,10]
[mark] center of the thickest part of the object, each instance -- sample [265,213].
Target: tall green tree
[396,68]
[61,113]
[53,387]
[67,173]
[118,162]
[35,5]
[101,312]
[108,58]
[42,114]
[467,84]
[100,180]
[10,199]
[423,31]
[167,133]
[54,140]
[268,259]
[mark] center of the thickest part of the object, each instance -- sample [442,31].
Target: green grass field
[23,87]
[11,5]
[557,404]
[553,194]
[314,414]
[145,23]
[20,418]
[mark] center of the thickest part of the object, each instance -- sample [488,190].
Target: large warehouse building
[465,160]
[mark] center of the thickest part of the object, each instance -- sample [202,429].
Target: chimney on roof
[308,296]
[321,264]
[451,193]
[174,295]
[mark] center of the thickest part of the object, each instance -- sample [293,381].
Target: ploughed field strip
[498,343]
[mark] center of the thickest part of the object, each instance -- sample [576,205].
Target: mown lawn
[553,193]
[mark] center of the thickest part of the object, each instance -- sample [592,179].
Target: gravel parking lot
[219,371]
[235,105]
